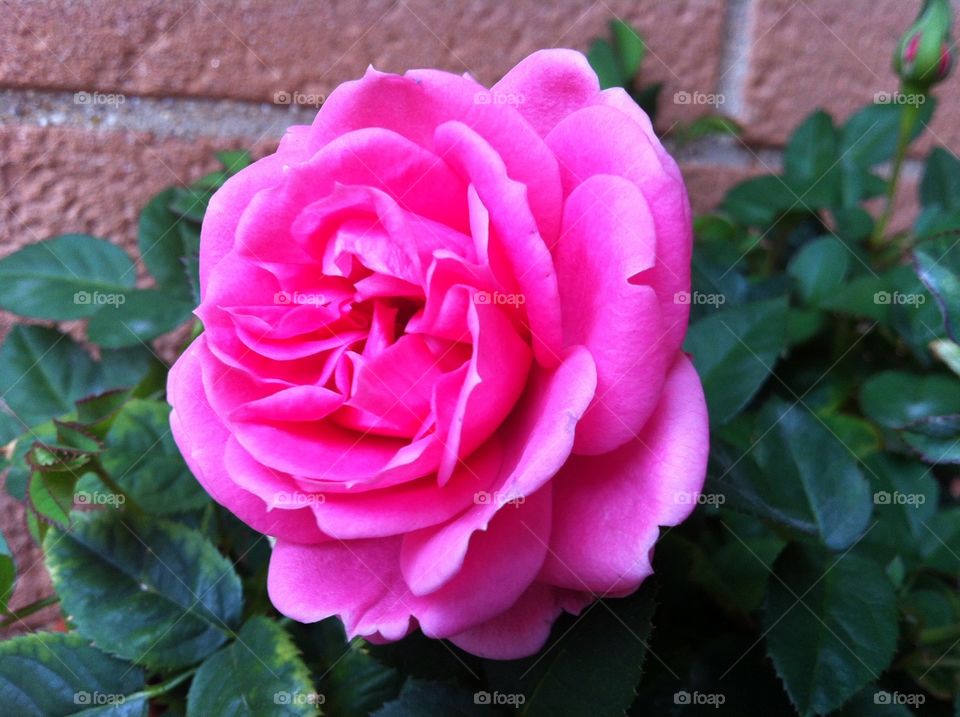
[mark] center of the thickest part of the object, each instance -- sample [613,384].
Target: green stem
[934,635]
[163,687]
[908,121]
[28,610]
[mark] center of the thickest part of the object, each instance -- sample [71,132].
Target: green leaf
[631,49]
[68,277]
[899,400]
[603,59]
[143,315]
[233,160]
[145,589]
[161,246]
[869,137]
[811,162]
[940,546]
[938,266]
[832,626]
[355,683]
[51,496]
[595,667]
[144,460]
[261,673]
[734,351]
[51,674]
[799,475]
[940,186]
[420,697]
[759,201]
[819,268]
[8,573]
[874,702]
[43,372]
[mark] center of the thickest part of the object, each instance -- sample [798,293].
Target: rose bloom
[442,361]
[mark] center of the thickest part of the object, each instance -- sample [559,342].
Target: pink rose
[442,356]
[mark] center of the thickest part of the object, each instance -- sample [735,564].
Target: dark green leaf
[898,400]
[143,315]
[69,277]
[420,698]
[8,573]
[595,667]
[161,246]
[819,268]
[832,625]
[603,60]
[734,351]
[938,265]
[759,201]
[941,180]
[55,675]
[869,137]
[629,46]
[798,474]
[145,589]
[146,463]
[261,673]
[811,162]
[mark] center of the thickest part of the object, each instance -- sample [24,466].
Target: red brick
[250,50]
[822,53]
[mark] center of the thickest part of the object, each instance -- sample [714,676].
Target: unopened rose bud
[924,55]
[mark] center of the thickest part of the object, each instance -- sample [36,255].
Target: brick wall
[200,75]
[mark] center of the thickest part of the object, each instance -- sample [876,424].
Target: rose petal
[607,508]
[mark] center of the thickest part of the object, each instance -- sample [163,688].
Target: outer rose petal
[524,628]
[607,508]
[202,439]
[549,85]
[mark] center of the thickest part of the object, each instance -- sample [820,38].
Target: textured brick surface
[254,48]
[836,55]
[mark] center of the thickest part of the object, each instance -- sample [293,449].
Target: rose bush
[442,356]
